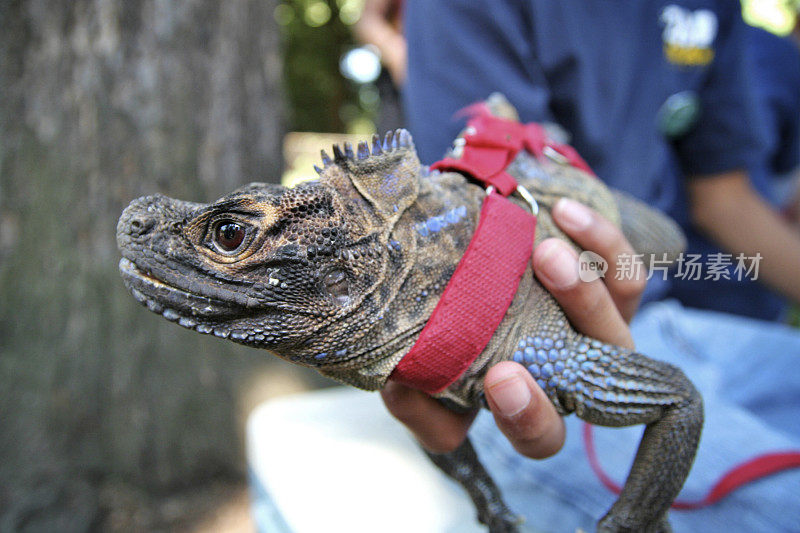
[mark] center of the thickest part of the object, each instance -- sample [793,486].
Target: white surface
[335,461]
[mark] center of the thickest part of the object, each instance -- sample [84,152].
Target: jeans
[749,375]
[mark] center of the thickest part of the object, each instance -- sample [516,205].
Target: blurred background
[111,418]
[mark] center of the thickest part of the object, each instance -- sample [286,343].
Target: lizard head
[274,267]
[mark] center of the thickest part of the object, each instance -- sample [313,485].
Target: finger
[437,428]
[588,305]
[522,411]
[591,231]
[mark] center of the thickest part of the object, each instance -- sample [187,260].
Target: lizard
[341,273]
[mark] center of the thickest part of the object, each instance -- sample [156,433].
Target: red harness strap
[475,300]
[484,283]
[492,143]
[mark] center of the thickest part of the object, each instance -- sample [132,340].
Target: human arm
[522,411]
[726,208]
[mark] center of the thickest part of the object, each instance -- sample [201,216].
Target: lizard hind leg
[463,465]
[615,387]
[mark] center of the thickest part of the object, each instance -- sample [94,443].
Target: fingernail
[572,215]
[510,395]
[558,265]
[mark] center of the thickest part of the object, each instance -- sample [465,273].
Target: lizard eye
[228,236]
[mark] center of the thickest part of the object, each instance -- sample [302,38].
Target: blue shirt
[776,61]
[604,70]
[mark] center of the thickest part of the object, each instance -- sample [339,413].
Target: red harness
[483,285]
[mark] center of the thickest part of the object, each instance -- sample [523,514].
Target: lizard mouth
[190,310]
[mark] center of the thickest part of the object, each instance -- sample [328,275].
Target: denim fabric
[749,374]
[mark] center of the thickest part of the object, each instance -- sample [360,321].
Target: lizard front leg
[611,386]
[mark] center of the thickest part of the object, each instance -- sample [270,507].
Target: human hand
[521,409]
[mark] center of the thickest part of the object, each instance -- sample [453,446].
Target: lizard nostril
[140,225]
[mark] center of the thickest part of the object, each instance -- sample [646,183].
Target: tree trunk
[102,101]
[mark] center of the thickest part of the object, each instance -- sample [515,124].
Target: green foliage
[316,33]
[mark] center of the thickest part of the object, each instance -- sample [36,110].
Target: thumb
[522,411]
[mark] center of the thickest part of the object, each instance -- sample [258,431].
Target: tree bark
[102,101]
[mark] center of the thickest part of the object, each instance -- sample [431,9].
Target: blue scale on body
[541,356]
[547,370]
[518,356]
[320,356]
[537,342]
[439,222]
[583,347]
[553,355]
[559,344]
[435,224]
[598,394]
[559,367]
[530,353]
[342,352]
[541,383]
[534,370]
[593,353]
[548,343]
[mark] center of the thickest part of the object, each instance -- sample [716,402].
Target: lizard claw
[503,521]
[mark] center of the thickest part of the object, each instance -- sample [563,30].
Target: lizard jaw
[188,310]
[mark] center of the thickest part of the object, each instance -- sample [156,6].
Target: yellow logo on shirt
[688,35]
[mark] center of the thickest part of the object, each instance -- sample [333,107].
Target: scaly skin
[342,273]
